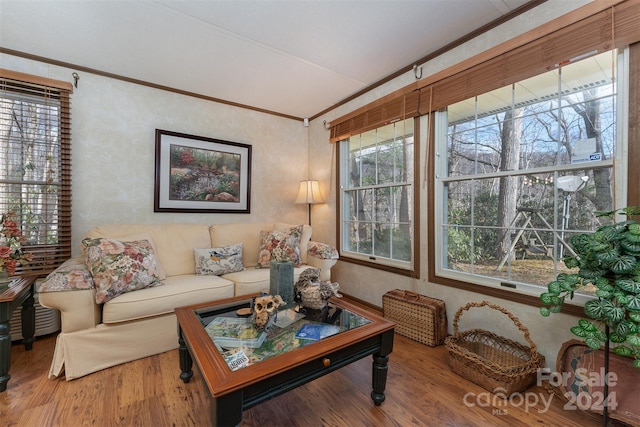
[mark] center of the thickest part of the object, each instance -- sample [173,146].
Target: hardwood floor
[421,391]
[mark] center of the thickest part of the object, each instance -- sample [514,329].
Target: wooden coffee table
[283,362]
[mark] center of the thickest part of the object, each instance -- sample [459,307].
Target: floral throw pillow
[118,267]
[280,245]
[219,261]
[71,275]
[322,250]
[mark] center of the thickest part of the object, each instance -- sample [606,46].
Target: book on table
[316,331]
[235,332]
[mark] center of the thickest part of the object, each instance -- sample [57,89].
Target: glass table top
[241,345]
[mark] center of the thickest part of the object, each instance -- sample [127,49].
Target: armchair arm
[70,289]
[322,256]
[322,250]
[71,275]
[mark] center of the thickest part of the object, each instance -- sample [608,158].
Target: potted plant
[609,260]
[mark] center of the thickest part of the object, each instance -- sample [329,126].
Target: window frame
[48,256]
[554,171]
[413,267]
[628,111]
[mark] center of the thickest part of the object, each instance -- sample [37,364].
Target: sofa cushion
[174,242]
[219,261]
[118,267]
[247,233]
[177,291]
[280,245]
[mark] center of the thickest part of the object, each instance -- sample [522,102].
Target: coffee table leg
[379,381]
[28,320]
[186,363]
[226,411]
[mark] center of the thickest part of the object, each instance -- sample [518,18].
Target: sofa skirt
[90,350]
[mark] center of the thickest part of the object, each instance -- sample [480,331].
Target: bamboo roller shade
[603,30]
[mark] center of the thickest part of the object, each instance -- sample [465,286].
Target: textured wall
[113,137]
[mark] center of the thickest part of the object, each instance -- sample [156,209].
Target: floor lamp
[309,193]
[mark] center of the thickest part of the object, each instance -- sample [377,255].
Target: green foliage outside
[462,247]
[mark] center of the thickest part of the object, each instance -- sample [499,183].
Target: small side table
[20,291]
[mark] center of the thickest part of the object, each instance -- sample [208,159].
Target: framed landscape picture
[199,174]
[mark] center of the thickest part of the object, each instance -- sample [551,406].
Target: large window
[35,163]
[526,166]
[377,196]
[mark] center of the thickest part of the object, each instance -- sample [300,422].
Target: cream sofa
[142,322]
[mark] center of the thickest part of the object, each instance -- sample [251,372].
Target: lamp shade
[309,192]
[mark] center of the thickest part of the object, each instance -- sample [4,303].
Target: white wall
[113,150]
[370,284]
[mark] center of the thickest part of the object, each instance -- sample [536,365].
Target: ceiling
[294,58]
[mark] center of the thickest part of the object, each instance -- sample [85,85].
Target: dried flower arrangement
[11,241]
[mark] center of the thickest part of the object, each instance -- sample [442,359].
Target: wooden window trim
[633,198]
[36,80]
[414,272]
[46,257]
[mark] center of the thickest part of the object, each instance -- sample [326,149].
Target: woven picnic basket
[498,364]
[419,317]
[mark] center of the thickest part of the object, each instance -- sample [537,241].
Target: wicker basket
[498,364]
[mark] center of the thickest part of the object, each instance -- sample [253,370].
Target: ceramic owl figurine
[265,308]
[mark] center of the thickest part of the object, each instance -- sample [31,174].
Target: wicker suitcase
[418,317]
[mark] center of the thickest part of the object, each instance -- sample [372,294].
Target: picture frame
[196,174]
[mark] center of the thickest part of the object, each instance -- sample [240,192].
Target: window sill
[396,270]
[521,298]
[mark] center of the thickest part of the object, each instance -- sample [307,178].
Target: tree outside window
[377,174]
[527,166]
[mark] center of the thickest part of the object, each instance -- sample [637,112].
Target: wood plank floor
[421,391]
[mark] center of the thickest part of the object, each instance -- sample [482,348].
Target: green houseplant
[609,260]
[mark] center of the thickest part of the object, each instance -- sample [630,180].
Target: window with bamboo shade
[35,165]
[524,168]
[590,36]
[593,29]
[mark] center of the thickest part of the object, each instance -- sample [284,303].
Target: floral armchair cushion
[118,267]
[219,261]
[280,245]
[322,250]
[70,276]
